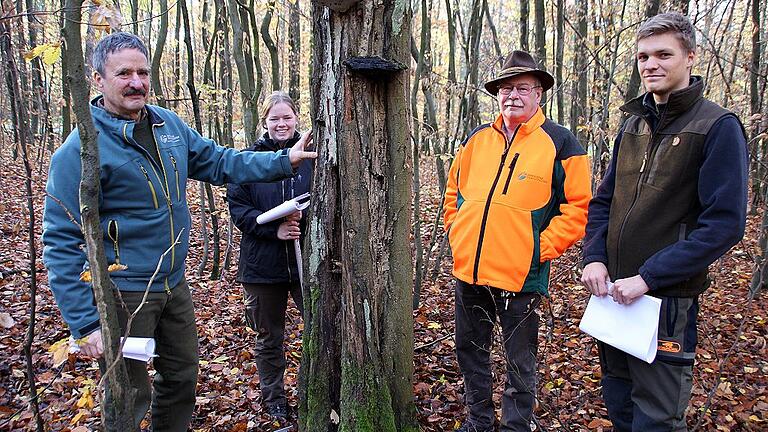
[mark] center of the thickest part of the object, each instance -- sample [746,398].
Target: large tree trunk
[103,289]
[358,341]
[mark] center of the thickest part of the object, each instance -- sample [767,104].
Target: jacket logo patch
[675,141]
[525,175]
[169,139]
[668,346]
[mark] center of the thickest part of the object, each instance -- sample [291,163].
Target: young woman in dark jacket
[267,267]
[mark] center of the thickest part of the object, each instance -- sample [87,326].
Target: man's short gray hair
[670,22]
[113,43]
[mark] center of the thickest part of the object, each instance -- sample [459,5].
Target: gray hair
[113,43]
[670,22]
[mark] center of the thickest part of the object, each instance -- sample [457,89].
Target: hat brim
[547,81]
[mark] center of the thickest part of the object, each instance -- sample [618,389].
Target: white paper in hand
[291,206]
[136,348]
[631,328]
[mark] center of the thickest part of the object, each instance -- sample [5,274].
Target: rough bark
[358,339]
[103,289]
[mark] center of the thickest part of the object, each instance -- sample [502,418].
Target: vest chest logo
[676,141]
[169,139]
[528,176]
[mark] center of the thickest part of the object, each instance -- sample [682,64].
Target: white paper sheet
[292,205]
[631,328]
[136,348]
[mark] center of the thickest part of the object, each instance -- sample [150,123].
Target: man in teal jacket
[146,156]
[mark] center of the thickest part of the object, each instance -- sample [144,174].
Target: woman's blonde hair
[273,99]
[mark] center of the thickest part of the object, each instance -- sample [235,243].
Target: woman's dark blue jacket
[265,259]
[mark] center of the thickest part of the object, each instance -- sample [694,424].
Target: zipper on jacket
[114,234]
[176,171]
[167,199]
[287,260]
[151,187]
[488,205]
[511,171]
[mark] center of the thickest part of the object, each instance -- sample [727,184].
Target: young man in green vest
[672,202]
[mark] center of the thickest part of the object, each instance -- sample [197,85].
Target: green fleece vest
[655,199]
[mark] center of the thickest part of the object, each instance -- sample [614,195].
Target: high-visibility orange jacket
[512,206]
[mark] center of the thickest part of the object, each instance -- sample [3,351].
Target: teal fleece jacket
[143,205]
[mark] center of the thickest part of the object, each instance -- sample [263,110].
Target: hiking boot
[279,411]
[469,426]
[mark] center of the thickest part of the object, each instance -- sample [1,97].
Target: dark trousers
[265,306]
[653,397]
[476,310]
[170,319]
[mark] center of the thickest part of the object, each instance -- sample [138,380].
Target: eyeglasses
[522,89]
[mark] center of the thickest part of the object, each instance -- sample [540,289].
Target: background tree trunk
[294,43]
[633,88]
[541,40]
[579,89]
[525,8]
[270,44]
[157,55]
[358,336]
[19,116]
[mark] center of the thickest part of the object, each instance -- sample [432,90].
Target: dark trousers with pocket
[265,306]
[477,308]
[653,397]
[170,319]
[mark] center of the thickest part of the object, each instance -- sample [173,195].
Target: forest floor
[730,379]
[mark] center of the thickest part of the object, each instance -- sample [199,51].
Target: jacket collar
[100,113]
[679,101]
[526,128]
[266,143]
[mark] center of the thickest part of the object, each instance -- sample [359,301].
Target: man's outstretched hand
[298,152]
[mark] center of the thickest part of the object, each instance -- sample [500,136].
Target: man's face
[515,107]
[125,83]
[664,65]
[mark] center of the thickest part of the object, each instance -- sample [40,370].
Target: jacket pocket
[176,174]
[511,172]
[151,186]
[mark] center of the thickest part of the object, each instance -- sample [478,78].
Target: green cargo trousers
[170,319]
[643,397]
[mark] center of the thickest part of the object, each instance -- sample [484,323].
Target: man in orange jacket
[516,198]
